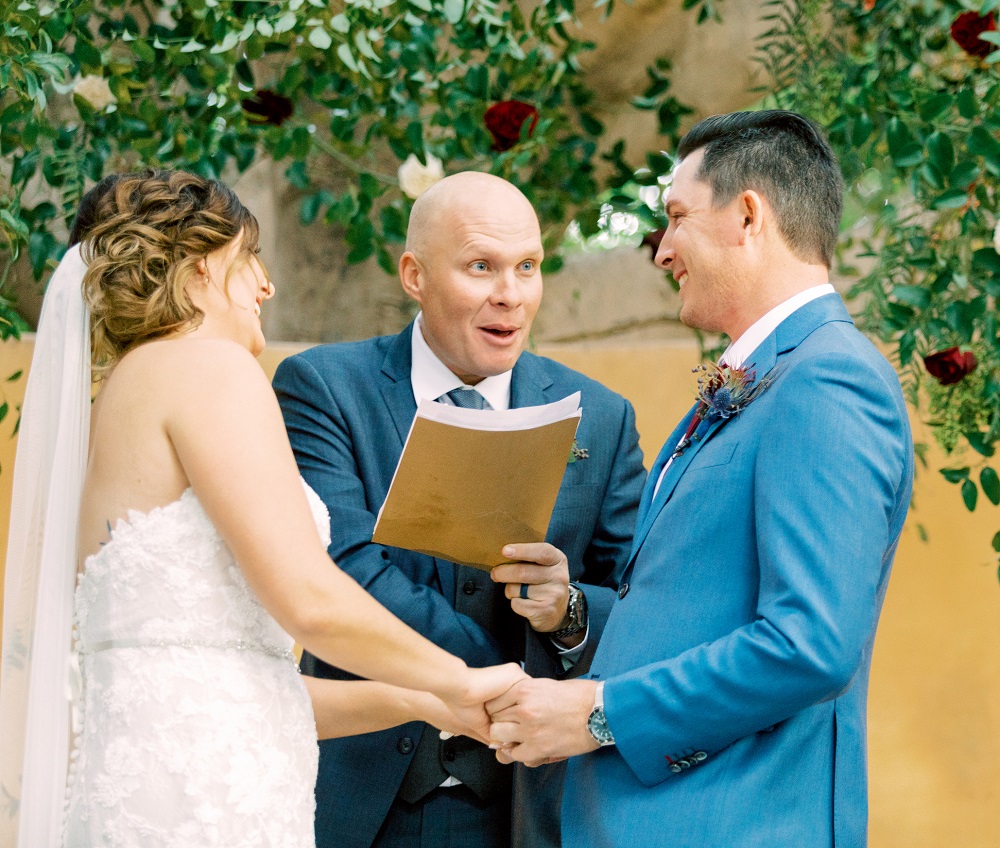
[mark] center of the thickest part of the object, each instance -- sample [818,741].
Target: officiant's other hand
[537,584]
[482,685]
[541,721]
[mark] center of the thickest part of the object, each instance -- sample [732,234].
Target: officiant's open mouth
[500,332]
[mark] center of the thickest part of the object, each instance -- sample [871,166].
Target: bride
[192,726]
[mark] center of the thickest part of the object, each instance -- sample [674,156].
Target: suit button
[675,768]
[404,745]
[623,590]
[450,756]
[470,587]
[700,757]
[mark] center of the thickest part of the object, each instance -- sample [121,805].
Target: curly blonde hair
[149,232]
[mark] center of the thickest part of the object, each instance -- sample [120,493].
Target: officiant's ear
[411,275]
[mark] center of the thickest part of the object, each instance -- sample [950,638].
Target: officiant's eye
[528,265]
[481,265]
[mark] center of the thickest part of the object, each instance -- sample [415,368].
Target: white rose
[96,91]
[996,237]
[415,177]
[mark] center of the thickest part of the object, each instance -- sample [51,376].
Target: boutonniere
[576,452]
[722,393]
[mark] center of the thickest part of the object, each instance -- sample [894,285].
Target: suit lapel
[396,388]
[528,383]
[787,336]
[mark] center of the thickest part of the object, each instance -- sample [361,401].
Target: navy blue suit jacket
[348,408]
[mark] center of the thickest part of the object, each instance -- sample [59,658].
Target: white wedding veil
[41,567]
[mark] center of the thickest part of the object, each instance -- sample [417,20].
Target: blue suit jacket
[348,409]
[736,664]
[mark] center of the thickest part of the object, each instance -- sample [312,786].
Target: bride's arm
[224,422]
[349,707]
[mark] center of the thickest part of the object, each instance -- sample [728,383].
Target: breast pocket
[713,455]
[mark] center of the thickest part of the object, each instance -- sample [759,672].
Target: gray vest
[471,762]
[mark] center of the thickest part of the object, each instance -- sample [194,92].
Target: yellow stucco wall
[934,714]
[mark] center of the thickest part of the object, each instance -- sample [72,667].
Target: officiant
[473,264]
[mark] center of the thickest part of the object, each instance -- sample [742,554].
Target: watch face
[597,724]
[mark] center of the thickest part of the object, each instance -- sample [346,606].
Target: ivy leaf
[952,198]
[990,482]
[955,475]
[320,39]
[454,11]
[903,148]
[969,495]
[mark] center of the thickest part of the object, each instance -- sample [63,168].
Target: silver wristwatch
[577,609]
[597,724]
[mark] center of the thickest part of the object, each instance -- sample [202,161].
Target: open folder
[470,481]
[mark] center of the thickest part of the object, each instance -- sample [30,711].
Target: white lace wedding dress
[193,726]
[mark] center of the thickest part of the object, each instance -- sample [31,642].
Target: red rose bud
[505,119]
[951,365]
[966,28]
[652,241]
[268,107]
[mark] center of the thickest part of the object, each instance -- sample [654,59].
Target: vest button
[470,587]
[623,590]
[450,756]
[404,745]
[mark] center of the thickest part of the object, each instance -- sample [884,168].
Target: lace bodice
[194,728]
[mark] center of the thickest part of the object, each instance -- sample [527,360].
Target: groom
[472,262]
[726,703]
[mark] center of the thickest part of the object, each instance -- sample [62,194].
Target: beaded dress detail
[192,725]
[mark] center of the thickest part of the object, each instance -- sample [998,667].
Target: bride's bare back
[132,465]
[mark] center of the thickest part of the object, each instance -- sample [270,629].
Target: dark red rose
[268,107]
[505,119]
[652,241]
[951,365]
[965,29]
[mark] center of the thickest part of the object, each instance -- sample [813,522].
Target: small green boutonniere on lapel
[576,452]
[722,392]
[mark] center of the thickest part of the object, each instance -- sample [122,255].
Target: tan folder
[470,481]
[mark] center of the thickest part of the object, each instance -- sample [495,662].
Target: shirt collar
[736,354]
[431,378]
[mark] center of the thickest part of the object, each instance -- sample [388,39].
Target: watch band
[597,723]
[577,609]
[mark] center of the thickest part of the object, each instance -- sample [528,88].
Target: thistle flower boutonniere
[722,393]
[576,453]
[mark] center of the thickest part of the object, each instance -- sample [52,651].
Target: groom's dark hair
[786,158]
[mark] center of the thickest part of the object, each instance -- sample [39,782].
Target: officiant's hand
[482,685]
[541,721]
[537,584]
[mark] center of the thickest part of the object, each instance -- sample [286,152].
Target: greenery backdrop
[364,101]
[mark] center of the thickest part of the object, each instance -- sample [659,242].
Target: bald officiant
[473,264]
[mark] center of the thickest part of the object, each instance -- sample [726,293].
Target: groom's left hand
[540,721]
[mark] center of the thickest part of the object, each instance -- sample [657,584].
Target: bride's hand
[482,685]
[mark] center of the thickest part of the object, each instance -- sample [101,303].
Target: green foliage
[339,93]
[914,120]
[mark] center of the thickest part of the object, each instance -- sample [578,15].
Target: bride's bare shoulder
[197,361]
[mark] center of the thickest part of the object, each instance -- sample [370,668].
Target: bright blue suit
[736,662]
[348,409]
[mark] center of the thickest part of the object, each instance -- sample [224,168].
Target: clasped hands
[528,720]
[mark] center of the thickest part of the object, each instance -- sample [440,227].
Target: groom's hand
[541,721]
[482,685]
[537,584]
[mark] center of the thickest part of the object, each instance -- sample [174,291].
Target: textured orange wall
[934,714]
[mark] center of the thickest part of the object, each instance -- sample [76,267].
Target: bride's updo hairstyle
[149,230]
